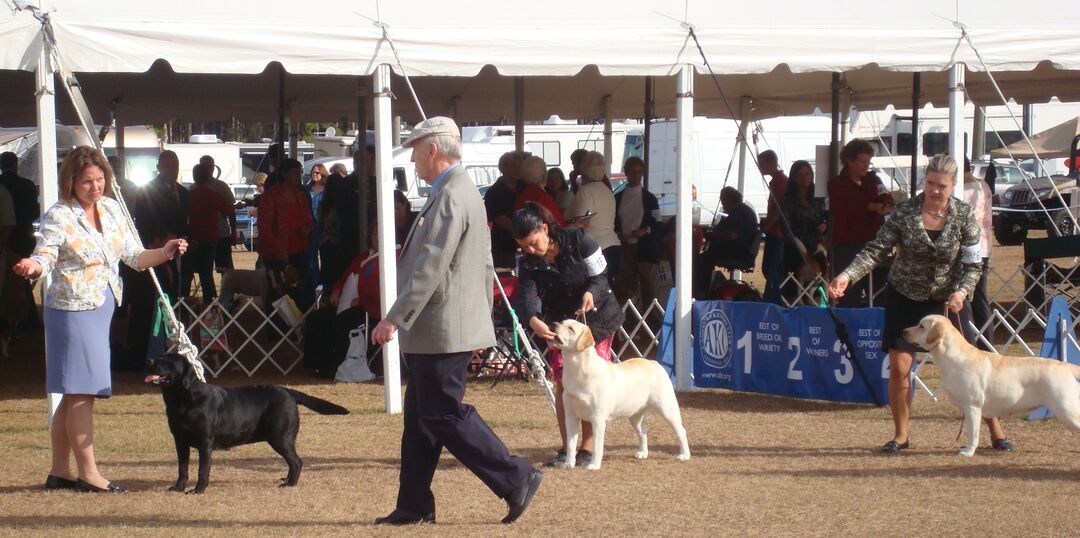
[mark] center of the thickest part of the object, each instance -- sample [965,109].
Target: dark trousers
[980,307]
[223,253]
[200,259]
[613,257]
[436,418]
[858,293]
[772,268]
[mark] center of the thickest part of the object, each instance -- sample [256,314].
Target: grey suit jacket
[445,274]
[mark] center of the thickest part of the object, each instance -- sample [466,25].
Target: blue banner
[760,347]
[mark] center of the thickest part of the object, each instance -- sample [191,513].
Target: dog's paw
[594,466]
[286,484]
[564,465]
[683,457]
[196,490]
[966,452]
[641,454]
[179,486]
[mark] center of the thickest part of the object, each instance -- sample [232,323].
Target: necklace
[936,214]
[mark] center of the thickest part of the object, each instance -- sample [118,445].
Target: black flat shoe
[520,500]
[892,447]
[57,482]
[401,517]
[1003,445]
[90,488]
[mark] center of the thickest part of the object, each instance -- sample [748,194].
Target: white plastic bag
[355,367]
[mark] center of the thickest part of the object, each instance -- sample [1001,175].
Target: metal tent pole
[956,128]
[684,107]
[387,260]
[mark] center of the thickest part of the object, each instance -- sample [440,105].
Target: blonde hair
[943,163]
[73,165]
[259,179]
[533,170]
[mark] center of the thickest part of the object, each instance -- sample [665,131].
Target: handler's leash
[849,350]
[537,366]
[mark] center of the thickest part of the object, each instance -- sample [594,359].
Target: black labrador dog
[204,417]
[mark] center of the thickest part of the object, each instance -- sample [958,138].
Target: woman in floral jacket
[82,239]
[935,271]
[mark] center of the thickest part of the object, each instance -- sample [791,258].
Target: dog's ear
[585,340]
[187,373]
[935,333]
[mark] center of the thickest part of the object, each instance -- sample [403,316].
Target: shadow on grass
[152,522]
[746,402]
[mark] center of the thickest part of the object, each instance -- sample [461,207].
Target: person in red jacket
[858,202]
[533,179]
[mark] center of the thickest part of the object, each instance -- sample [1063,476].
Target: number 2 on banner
[744,344]
[793,374]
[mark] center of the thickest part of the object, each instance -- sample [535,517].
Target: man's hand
[383,332]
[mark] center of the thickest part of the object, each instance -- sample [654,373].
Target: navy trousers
[436,418]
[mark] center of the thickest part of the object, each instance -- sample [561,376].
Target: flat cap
[438,125]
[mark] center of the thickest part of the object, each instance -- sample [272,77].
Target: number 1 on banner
[744,344]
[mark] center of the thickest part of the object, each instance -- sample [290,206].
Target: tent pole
[361,144]
[519,113]
[834,143]
[956,128]
[118,137]
[294,130]
[916,104]
[46,117]
[684,111]
[384,192]
[744,126]
[608,154]
[650,111]
[280,138]
[978,133]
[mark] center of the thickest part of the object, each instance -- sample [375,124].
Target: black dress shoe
[57,482]
[1004,445]
[892,447]
[401,517]
[520,500]
[90,488]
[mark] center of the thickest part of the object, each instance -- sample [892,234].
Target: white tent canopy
[214,60]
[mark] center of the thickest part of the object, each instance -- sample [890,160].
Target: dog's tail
[317,405]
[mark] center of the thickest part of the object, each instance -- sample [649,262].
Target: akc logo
[716,339]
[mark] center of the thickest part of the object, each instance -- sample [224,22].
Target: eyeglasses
[316,173]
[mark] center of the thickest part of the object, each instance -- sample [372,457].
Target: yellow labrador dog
[986,384]
[596,391]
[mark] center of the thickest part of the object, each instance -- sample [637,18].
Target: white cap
[439,125]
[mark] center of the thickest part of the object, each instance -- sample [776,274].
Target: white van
[556,139]
[714,158]
[226,159]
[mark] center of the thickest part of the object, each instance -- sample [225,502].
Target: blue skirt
[77,356]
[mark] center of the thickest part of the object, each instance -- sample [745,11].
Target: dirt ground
[761,466]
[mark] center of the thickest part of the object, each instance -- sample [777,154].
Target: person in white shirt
[637,221]
[595,197]
[977,193]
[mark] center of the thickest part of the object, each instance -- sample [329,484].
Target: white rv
[714,158]
[556,139]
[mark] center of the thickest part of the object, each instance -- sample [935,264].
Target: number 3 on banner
[845,372]
[744,344]
[793,374]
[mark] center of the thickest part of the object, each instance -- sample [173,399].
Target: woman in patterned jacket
[935,271]
[82,239]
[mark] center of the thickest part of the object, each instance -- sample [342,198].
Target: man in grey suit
[443,313]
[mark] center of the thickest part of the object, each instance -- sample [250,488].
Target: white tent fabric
[211,60]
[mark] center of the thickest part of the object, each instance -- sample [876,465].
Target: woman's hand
[955,302]
[175,247]
[838,286]
[541,329]
[27,268]
[822,227]
[586,304]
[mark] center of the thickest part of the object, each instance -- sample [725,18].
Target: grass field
[761,466]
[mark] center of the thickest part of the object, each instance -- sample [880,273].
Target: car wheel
[1009,232]
[1061,224]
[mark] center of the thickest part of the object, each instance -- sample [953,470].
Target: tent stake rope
[177,333]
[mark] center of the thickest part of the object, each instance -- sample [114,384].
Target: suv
[1023,210]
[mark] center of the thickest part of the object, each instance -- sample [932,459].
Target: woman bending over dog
[563,275]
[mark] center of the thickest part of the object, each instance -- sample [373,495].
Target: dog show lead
[936,268]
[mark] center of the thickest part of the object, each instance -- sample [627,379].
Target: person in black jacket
[563,275]
[637,222]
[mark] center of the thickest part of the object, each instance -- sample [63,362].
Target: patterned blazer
[925,269]
[81,262]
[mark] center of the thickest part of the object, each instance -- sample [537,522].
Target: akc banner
[760,347]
